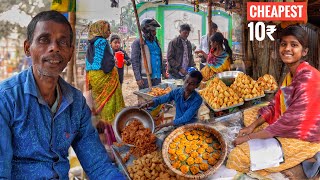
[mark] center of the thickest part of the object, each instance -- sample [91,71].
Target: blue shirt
[34,143]
[186,110]
[155,56]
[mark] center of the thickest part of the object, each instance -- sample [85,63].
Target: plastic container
[120,58]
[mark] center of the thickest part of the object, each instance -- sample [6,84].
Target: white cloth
[265,153]
[204,46]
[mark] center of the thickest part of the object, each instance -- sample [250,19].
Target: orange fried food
[187,133]
[205,156]
[209,149]
[204,166]
[194,169]
[200,150]
[182,157]
[209,140]
[195,136]
[206,134]
[184,169]
[177,139]
[202,137]
[190,137]
[194,154]
[157,91]
[176,164]
[198,160]
[179,152]
[193,132]
[204,145]
[188,150]
[181,136]
[181,146]
[173,145]
[171,151]
[216,155]
[173,157]
[200,133]
[194,146]
[190,161]
[216,146]
[212,161]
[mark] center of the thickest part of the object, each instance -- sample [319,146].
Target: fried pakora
[204,166]
[190,161]
[194,169]
[184,169]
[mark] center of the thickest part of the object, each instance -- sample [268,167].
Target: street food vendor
[293,117]
[187,101]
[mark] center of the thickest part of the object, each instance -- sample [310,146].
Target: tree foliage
[30,7]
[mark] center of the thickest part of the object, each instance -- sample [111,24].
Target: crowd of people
[42,115]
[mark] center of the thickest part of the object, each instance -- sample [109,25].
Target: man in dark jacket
[153,53]
[179,54]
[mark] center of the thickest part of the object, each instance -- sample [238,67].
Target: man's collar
[31,87]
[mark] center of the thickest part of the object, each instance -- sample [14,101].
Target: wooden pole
[71,64]
[209,22]
[142,43]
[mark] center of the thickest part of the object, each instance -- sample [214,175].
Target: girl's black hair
[114,37]
[218,37]
[298,32]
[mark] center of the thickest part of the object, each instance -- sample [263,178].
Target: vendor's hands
[246,131]
[241,139]
[144,105]
[158,128]
[140,83]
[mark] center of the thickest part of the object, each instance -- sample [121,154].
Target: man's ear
[26,47]
[72,52]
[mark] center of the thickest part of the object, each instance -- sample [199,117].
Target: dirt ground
[129,86]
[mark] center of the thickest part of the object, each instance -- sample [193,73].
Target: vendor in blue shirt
[187,101]
[41,115]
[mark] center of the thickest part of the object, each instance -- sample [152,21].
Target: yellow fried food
[212,161]
[200,150]
[181,146]
[176,139]
[209,140]
[187,133]
[171,151]
[204,166]
[198,160]
[209,149]
[194,147]
[176,164]
[194,154]
[190,161]
[194,169]
[202,137]
[205,156]
[184,169]
[182,157]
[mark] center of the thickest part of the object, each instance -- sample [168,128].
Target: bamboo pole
[70,71]
[209,21]
[142,43]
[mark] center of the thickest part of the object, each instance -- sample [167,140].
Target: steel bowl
[129,114]
[228,77]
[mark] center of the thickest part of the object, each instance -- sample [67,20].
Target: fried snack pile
[156,91]
[143,140]
[151,166]
[207,73]
[194,152]
[267,82]
[246,87]
[218,95]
